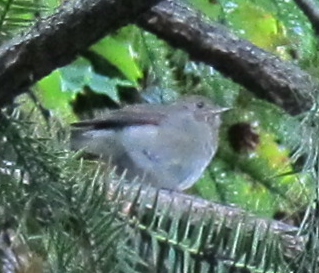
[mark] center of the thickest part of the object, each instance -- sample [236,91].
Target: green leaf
[53,97]
[80,73]
[118,49]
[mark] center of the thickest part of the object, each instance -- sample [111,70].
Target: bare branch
[266,75]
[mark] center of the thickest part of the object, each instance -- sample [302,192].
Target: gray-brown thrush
[168,146]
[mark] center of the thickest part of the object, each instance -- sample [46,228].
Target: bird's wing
[122,118]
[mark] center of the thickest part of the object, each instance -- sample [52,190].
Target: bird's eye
[200,104]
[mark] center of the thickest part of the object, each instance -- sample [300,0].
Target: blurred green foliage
[277,26]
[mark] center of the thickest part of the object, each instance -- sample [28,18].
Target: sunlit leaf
[118,50]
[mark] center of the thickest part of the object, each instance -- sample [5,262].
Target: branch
[138,201]
[311,10]
[58,39]
[266,75]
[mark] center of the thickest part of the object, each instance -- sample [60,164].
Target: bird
[165,145]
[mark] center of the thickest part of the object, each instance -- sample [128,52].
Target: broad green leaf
[118,50]
[53,97]
[80,73]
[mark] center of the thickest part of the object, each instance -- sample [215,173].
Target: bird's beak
[219,110]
